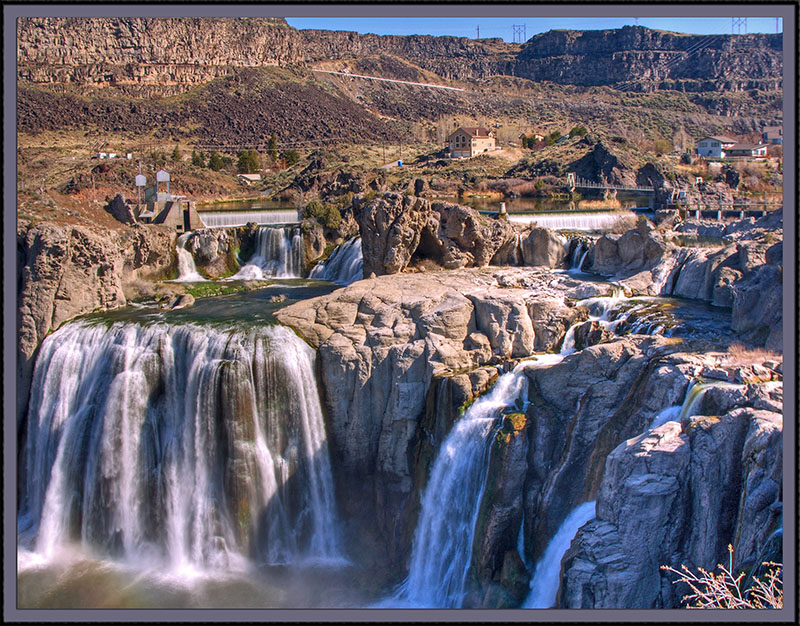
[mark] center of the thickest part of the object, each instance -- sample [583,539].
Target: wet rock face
[740,268]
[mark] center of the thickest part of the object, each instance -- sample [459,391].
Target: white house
[747,150]
[714,146]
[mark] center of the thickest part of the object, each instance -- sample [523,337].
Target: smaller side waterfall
[279,254]
[442,547]
[345,265]
[187,271]
[547,576]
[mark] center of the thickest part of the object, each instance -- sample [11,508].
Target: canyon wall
[187,51]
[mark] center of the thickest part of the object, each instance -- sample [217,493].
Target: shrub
[198,159]
[326,214]
[215,162]
[291,157]
[272,147]
[724,591]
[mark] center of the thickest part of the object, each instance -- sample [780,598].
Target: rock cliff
[66,271]
[134,51]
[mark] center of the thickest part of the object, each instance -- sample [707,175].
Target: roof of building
[773,131]
[720,138]
[746,146]
[472,131]
[251,177]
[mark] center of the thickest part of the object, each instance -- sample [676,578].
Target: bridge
[574,182]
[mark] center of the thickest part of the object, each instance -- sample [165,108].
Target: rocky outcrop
[738,265]
[382,341]
[390,229]
[677,495]
[121,210]
[544,248]
[458,236]
[397,229]
[66,271]
[602,166]
[633,53]
[128,51]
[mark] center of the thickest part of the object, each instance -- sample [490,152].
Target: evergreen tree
[272,147]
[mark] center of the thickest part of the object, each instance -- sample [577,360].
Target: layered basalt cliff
[187,51]
[641,55]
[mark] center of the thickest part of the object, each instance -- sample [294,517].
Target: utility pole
[478,30]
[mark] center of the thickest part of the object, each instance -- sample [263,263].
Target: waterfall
[585,221]
[187,271]
[345,265]
[442,546]
[184,446]
[231,219]
[279,254]
[602,309]
[547,575]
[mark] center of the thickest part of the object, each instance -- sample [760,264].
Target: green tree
[555,136]
[291,157]
[249,162]
[177,155]
[326,214]
[578,131]
[198,159]
[215,162]
[272,147]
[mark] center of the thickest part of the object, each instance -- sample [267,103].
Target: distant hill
[233,79]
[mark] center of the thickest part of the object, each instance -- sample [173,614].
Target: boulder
[544,248]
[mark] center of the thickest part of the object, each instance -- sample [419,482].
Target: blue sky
[502,26]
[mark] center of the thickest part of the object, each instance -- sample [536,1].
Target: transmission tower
[478,29]
[737,23]
[636,21]
[519,33]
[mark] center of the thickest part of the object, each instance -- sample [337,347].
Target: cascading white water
[442,547]
[186,446]
[345,265]
[279,254]
[187,271]
[546,576]
[231,219]
[584,221]
[601,310]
